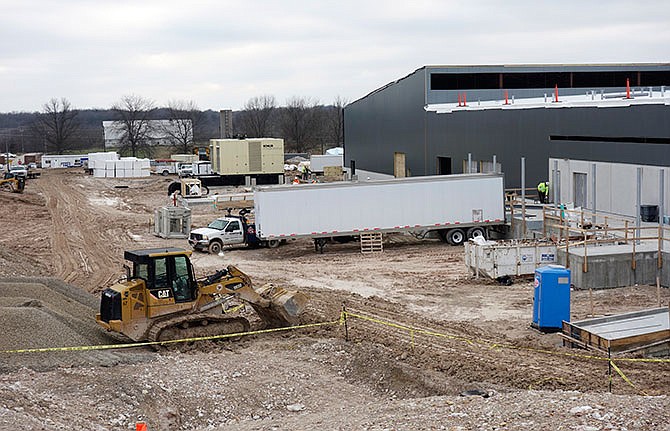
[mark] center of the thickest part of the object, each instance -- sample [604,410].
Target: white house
[159,132]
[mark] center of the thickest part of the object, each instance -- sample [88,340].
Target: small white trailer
[457,206]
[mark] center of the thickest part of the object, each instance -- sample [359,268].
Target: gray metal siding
[393,119]
[511,135]
[384,122]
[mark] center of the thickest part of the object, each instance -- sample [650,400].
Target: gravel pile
[45,312]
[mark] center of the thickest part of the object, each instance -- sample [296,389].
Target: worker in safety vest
[304,172]
[543,191]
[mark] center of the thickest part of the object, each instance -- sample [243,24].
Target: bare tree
[335,122]
[57,125]
[299,123]
[133,122]
[184,120]
[255,119]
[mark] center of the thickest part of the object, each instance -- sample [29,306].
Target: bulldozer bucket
[285,305]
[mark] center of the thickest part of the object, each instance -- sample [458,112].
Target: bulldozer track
[196,325]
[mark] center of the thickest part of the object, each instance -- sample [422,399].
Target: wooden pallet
[372,242]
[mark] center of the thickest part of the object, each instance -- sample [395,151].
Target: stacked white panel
[98,160]
[142,168]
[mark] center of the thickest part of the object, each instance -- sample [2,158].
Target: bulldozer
[160,299]
[11,183]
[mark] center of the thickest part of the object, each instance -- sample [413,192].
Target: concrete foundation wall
[615,270]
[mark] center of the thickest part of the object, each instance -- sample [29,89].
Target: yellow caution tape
[626,379]
[657,360]
[408,328]
[153,343]
[493,345]
[467,340]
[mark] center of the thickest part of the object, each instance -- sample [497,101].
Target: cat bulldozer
[160,299]
[12,183]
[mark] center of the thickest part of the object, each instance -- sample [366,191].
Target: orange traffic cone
[140,426]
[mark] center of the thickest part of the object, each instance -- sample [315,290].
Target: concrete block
[615,269]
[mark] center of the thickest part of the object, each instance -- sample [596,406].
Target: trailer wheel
[273,243]
[215,247]
[165,173]
[476,232]
[455,236]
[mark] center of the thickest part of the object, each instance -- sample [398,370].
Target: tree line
[305,125]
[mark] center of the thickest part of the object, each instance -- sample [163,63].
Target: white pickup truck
[164,167]
[195,169]
[227,231]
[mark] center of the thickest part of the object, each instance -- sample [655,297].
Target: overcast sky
[221,53]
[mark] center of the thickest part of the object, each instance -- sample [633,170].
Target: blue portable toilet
[551,298]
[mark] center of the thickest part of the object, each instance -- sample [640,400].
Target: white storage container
[500,258]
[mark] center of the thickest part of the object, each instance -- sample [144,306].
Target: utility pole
[7,154]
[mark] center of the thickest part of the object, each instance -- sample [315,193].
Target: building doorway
[579,192]
[443,165]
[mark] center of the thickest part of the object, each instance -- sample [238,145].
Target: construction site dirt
[425,345]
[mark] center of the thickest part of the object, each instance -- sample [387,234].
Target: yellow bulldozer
[10,183]
[161,299]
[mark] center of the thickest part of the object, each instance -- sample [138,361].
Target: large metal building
[437,117]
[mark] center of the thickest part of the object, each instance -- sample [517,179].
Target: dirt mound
[46,313]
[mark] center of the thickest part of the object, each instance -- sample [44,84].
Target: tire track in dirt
[87,240]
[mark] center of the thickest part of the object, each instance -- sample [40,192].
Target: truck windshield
[218,224]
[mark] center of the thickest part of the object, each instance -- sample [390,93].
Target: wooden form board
[619,333]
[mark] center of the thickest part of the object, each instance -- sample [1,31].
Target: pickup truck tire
[215,247]
[476,231]
[455,236]
[273,243]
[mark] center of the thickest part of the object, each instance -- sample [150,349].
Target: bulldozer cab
[167,273]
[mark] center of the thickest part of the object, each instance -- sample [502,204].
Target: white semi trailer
[456,206]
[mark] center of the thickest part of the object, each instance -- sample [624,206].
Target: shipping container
[456,206]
